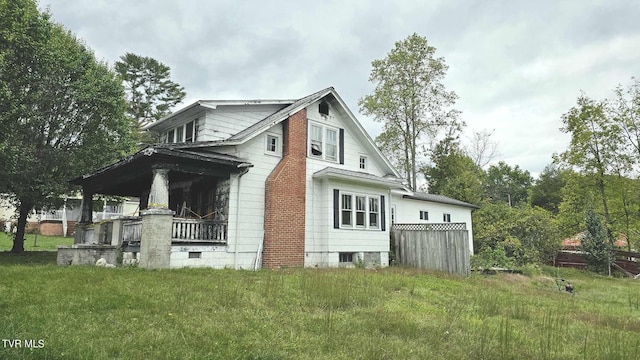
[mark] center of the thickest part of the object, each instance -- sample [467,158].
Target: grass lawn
[396,313]
[42,243]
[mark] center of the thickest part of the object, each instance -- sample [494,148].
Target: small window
[272,144]
[363,162]
[346,210]
[195,255]
[424,215]
[346,257]
[323,108]
[170,136]
[189,132]
[446,218]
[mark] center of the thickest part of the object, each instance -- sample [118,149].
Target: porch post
[157,222]
[84,229]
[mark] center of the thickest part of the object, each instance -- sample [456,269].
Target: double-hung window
[374,212]
[360,211]
[323,142]
[347,210]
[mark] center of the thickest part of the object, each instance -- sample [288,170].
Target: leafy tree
[595,143]
[625,109]
[454,174]
[411,101]
[65,110]
[508,184]
[546,192]
[525,234]
[149,90]
[595,244]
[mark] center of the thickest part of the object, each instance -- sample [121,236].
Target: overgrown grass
[396,313]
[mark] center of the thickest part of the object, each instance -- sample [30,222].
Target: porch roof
[389,181]
[132,175]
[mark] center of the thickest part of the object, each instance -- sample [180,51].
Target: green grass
[396,313]
[42,243]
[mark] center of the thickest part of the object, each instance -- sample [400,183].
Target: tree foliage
[595,244]
[508,184]
[149,90]
[452,173]
[411,101]
[65,110]
[546,191]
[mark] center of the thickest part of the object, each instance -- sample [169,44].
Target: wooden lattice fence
[441,247]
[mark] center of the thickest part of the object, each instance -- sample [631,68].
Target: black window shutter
[336,208]
[382,214]
[341,145]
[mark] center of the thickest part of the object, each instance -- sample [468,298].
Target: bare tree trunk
[18,241]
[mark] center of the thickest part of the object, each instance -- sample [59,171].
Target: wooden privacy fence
[441,247]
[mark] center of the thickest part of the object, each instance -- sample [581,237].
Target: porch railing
[182,230]
[198,230]
[132,231]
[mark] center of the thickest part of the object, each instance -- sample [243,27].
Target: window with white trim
[363,162]
[273,144]
[323,142]
[446,218]
[346,210]
[359,211]
[374,212]
[424,215]
[184,133]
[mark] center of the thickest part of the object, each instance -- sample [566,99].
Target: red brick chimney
[285,190]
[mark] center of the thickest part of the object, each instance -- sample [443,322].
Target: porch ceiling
[132,176]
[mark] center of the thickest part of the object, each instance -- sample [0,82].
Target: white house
[273,183]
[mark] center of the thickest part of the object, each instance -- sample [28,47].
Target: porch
[184,202]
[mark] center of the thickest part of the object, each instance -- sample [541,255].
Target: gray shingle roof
[439,199]
[279,115]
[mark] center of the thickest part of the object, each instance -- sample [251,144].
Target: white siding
[407,211]
[246,222]
[323,243]
[225,121]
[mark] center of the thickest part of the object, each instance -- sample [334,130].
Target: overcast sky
[517,66]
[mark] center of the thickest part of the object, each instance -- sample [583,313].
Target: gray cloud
[516,65]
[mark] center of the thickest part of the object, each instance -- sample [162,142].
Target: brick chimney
[285,190]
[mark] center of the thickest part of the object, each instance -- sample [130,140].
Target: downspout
[245,168]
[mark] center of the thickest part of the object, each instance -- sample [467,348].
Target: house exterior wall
[407,211]
[323,243]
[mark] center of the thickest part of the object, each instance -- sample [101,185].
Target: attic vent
[323,108]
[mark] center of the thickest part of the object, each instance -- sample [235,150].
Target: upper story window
[183,133]
[424,215]
[273,144]
[323,142]
[446,218]
[323,108]
[363,162]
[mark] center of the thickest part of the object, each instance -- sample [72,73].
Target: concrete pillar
[159,194]
[84,229]
[157,223]
[155,246]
